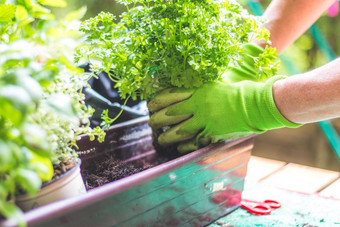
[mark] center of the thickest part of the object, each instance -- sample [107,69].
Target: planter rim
[74,168]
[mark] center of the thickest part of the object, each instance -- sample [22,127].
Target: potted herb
[42,108]
[160,44]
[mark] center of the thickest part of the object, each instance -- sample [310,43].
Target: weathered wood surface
[259,168]
[309,196]
[294,177]
[332,191]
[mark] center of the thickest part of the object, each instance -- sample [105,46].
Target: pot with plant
[185,44]
[42,116]
[42,113]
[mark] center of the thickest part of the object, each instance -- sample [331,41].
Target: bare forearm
[311,96]
[288,19]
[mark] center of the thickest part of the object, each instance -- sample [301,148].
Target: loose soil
[104,171]
[169,151]
[63,167]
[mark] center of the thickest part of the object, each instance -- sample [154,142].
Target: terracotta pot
[68,185]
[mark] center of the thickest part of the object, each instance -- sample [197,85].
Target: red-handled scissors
[260,208]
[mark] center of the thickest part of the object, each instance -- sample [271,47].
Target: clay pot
[70,184]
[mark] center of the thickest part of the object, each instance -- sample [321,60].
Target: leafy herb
[42,108]
[170,43]
[267,63]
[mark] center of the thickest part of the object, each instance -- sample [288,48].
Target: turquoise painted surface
[297,210]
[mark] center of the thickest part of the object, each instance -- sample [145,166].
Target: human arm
[288,19]
[312,96]
[223,111]
[215,112]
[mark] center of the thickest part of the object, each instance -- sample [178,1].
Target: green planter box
[191,190]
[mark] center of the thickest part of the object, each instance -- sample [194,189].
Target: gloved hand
[246,70]
[214,112]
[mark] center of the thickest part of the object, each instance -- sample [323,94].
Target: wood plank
[301,178]
[332,191]
[259,168]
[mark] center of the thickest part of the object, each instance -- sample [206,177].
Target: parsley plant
[158,44]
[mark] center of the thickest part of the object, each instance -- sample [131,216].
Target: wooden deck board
[301,178]
[259,168]
[332,191]
[294,177]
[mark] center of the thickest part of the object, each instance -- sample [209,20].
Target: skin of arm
[288,19]
[311,96]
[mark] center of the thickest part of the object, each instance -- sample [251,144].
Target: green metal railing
[327,51]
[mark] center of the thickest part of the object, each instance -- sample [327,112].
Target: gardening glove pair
[216,111]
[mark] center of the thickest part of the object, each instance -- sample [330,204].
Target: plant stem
[120,112]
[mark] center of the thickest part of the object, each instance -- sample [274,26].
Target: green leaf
[16,95]
[7,159]
[11,211]
[26,3]
[15,102]
[70,66]
[7,13]
[42,12]
[42,166]
[53,3]
[36,138]
[64,106]
[21,13]
[31,86]
[3,190]
[76,15]
[7,187]
[28,180]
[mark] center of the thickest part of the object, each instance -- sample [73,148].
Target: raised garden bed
[189,190]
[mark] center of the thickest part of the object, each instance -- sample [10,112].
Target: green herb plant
[42,108]
[157,44]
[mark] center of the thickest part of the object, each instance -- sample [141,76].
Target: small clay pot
[70,184]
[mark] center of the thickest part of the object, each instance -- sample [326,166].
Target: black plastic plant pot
[191,190]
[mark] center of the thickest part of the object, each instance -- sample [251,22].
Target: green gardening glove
[246,70]
[214,112]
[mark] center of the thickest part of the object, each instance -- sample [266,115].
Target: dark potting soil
[110,168]
[169,151]
[63,167]
[104,171]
